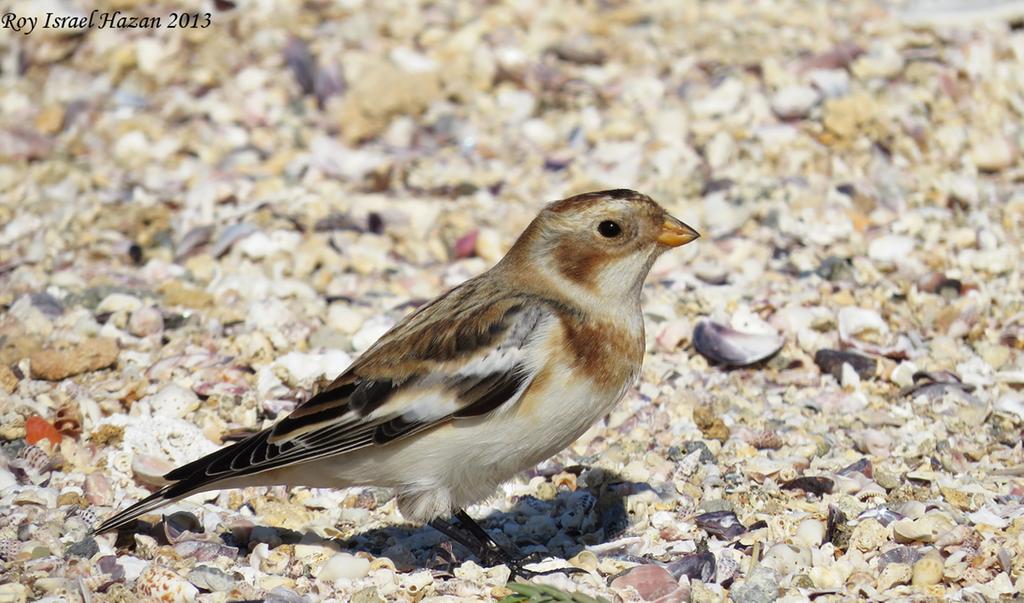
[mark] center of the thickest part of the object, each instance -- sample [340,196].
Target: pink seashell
[651,582]
[465,247]
[150,470]
[97,490]
[202,550]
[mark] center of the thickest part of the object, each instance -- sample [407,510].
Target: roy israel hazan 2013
[94,20]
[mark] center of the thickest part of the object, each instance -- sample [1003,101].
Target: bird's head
[601,243]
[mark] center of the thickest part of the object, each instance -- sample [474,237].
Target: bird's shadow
[560,526]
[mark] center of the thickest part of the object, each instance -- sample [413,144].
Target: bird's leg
[497,554]
[479,533]
[466,539]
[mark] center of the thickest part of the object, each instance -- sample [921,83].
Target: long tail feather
[188,479]
[193,477]
[157,499]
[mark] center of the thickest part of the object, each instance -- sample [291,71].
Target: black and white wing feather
[423,373]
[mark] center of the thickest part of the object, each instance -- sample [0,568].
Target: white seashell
[162,584]
[172,401]
[854,321]
[469,571]
[726,346]
[891,248]
[150,469]
[305,369]
[720,150]
[893,574]
[912,509]
[211,578]
[259,245]
[986,516]
[172,439]
[1012,377]
[31,318]
[119,302]
[344,566]
[231,235]
[927,570]
[903,374]
[850,378]
[868,535]
[371,332]
[994,154]
[787,559]
[13,592]
[873,441]
[674,332]
[745,321]
[418,582]
[926,528]
[7,479]
[794,102]
[825,577]
[43,497]
[145,321]
[488,245]
[275,561]
[809,533]
[344,318]
[1012,404]
[792,319]
[832,83]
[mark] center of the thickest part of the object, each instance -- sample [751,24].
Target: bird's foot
[490,553]
[517,564]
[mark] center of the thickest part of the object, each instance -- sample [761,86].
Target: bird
[487,380]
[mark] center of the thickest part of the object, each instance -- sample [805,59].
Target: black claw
[516,569]
[490,553]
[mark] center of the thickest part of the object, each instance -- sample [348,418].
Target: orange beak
[674,233]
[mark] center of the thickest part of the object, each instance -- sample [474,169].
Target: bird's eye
[609,229]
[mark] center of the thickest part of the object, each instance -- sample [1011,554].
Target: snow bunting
[485,381]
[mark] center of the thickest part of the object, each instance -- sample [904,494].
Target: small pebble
[927,570]
[145,321]
[794,102]
[343,566]
[809,533]
[994,154]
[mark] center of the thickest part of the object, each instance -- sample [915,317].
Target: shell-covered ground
[198,226]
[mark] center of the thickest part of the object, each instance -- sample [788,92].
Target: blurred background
[199,224]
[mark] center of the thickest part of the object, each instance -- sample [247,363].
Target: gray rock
[84,548]
[687,448]
[211,578]
[761,586]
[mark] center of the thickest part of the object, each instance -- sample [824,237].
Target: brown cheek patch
[578,264]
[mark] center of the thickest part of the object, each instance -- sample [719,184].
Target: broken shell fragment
[723,524]
[832,361]
[935,384]
[723,345]
[696,566]
[815,485]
